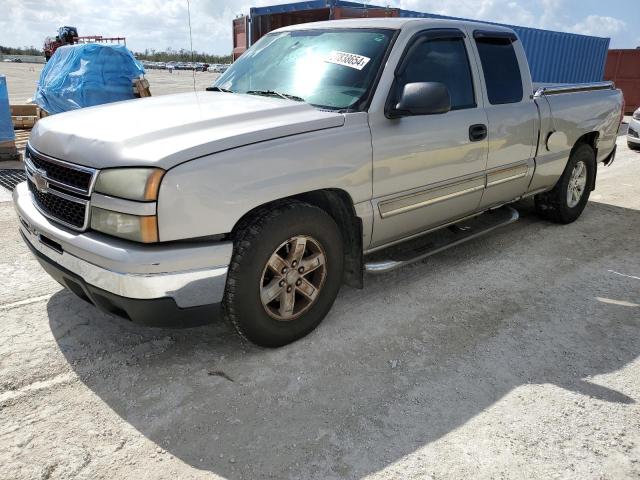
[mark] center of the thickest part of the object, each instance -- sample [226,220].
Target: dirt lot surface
[512,356]
[22,79]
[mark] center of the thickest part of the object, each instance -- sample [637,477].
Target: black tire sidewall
[249,315]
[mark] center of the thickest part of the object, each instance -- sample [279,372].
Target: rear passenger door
[429,169]
[511,112]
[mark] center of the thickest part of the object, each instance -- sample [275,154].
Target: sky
[159,24]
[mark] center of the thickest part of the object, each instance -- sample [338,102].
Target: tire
[556,205]
[267,239]
[633,146]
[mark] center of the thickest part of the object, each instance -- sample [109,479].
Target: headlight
[131,183]
[636,114]
[132,227]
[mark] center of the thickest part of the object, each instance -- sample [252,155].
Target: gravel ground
[512,356]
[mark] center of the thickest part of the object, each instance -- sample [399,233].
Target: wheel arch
[339,205]
[591,139]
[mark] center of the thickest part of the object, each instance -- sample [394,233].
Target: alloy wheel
[577,184]
[293,277]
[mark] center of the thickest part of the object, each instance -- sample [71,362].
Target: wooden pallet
[141,88]
[24,122]
[26,116]
[22,137]
[25,110]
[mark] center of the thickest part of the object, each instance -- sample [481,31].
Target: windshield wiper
[218,89]
[273,93]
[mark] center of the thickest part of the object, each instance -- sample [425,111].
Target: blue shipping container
[554,57]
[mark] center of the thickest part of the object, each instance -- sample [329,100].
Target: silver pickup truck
[326,151]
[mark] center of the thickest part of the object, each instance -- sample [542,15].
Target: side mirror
[421,98]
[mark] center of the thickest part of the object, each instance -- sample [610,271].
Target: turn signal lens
[142,184]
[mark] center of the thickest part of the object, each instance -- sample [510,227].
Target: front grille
[66,211]
[61,190]
[633,133]
[70,175]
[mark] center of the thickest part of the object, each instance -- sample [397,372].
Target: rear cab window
[500,66]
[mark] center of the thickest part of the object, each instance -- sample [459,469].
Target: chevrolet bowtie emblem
[40,181]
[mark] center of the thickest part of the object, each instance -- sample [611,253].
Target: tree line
[168,55]
[182,55]
[20,51]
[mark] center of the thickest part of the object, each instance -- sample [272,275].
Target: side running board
[422,247]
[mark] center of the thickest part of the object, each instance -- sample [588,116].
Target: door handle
[477,132]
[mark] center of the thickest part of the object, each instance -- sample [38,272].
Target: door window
[443,60]
[501,70]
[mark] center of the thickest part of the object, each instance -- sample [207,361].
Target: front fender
[208,195]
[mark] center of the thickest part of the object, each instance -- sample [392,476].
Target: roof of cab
[395,23]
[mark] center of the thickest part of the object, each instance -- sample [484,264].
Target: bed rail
[572,88]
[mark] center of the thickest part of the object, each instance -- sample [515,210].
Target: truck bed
[565,117]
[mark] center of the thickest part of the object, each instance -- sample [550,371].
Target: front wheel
[566,201]
[285,273]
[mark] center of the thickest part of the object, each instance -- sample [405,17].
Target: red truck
[69,36]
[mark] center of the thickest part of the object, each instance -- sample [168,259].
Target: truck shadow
[415,355]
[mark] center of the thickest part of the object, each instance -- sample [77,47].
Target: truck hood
[167,130]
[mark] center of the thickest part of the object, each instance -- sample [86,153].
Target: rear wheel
[285,273]
[565,203]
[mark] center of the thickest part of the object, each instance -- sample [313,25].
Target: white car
[219,68]
[633,134]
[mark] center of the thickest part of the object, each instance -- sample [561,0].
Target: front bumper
[164,285]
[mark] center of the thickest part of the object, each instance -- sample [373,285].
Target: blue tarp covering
[6,125]
[80,76]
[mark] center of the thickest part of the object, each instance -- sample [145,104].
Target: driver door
[430,169]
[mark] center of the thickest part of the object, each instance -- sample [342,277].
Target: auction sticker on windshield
[347,59]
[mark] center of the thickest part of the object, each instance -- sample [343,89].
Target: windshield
[331,69]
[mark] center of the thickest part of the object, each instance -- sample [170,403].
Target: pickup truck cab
[320,149]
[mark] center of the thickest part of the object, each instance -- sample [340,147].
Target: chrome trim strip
[496,177]
[121,205]
[423,198]
[507,179]
[572,88]
[72,166]
[188,288]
